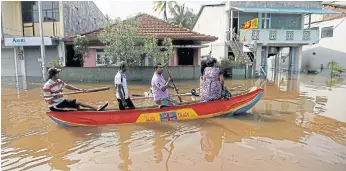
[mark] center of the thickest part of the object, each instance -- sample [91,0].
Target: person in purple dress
[213,82]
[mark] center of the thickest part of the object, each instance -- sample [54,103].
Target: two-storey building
[20,50]
[280,24]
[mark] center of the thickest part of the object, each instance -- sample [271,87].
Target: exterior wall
[33,65]
[327,48]
[90,60]
[11,18]
[7,62]
[133,73]
[278,4]
[81,17]
[212,22]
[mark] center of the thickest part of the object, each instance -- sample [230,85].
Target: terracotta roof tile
[150,25]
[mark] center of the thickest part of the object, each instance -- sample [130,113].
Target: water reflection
[211,140]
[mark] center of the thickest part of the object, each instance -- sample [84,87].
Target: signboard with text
[27,41]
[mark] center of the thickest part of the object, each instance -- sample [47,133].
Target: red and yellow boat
[235,105]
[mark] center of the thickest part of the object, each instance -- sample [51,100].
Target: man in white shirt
[122,92]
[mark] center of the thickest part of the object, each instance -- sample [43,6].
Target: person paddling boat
[159,88]
[54,86]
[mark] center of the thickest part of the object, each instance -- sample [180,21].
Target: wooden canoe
[235,105]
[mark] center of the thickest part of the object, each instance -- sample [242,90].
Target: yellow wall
[12,18]
[47,29]
[12,21]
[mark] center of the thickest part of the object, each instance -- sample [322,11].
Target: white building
[332,40]
[280,25]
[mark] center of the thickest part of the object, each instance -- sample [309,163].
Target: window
[103,60]
[50,11]
[327,32]
[266,20]
[286,21]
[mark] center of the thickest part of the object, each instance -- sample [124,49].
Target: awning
[286,10]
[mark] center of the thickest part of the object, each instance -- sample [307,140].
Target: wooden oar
[142,97]
[175,88]
[78,92]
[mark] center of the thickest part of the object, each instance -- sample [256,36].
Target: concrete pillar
[231,25]
[20,68]
[258,57]
[175,57]
[146,61]
[61,53]
[198,56]
[291,60]
[298,51]
[265,60]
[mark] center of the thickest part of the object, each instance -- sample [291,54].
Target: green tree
[124,42]
[163,6]
[335,68]
[80,46]
[182,15]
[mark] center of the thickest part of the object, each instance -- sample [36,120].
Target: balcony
[273,36]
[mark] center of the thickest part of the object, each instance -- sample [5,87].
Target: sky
[124,9]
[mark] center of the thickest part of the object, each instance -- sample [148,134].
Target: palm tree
[182,15]
[163,6]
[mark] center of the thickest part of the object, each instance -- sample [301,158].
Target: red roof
[150,25]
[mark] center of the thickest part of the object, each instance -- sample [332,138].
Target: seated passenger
[213,82]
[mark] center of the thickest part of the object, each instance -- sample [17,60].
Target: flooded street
[299,124]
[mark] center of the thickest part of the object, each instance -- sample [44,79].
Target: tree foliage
[163,6]
[124,43]
[182,15]
[80,46]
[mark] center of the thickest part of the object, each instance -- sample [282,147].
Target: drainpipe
[16,67]
[42,41]
[309,21]
[2,29]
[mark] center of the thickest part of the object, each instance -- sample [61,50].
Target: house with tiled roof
[187,44]
[332,38]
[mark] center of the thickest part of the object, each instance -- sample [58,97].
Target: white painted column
[298,51]
[146,61]
[61,53]
[227,19]
[258,58]
[291,60]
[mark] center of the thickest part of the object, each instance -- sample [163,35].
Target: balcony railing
[273,36]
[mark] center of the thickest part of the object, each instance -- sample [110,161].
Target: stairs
[237,49]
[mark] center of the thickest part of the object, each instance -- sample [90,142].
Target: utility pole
[43,53]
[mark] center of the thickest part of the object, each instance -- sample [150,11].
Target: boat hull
[235,105]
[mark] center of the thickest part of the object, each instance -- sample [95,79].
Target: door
[7,62]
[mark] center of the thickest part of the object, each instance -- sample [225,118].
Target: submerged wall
[133,74]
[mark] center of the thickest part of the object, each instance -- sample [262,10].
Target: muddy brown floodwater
[299,124]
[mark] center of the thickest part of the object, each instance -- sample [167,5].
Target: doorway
[235,24]
[185,56]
